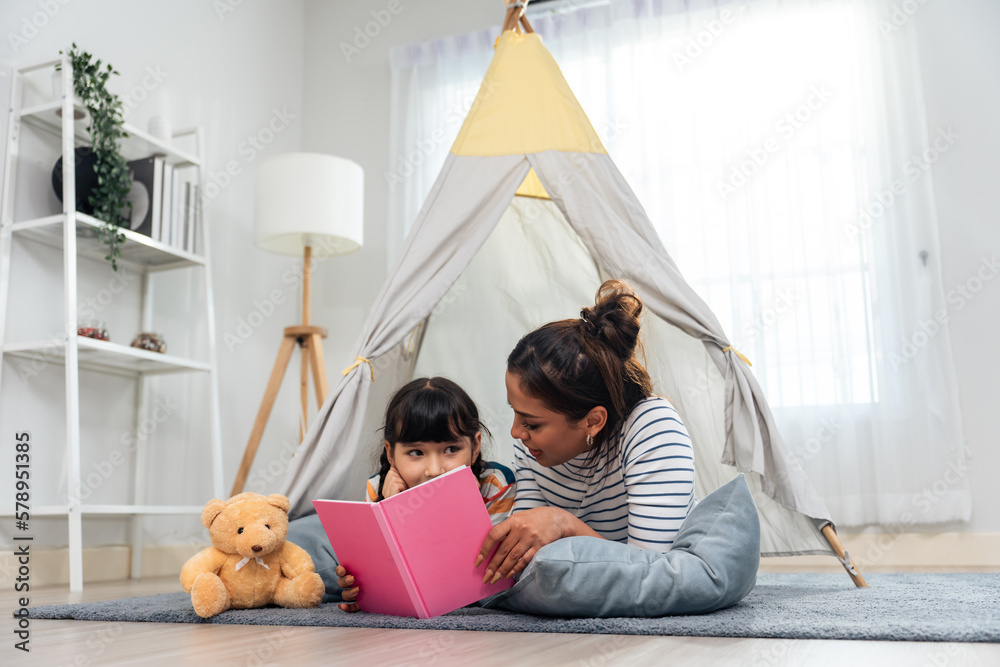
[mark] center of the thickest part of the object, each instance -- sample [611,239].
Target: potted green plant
[109,197]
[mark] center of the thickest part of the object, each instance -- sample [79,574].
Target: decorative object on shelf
[93,329]
[312,204]
[159,128]
[137,216]
[151,342]
[86,178]
[110,195]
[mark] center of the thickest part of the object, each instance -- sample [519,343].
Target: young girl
[431,427]
[596,453]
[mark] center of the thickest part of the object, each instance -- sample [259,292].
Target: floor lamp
[311,205]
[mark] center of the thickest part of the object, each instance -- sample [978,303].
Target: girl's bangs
[429,418]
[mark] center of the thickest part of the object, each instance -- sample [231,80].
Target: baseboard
[875,552]
[50,567]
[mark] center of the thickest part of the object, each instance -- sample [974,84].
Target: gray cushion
[712,565]
[307,532]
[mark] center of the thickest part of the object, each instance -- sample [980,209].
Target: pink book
[412,554]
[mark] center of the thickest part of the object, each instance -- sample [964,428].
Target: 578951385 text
[22,517]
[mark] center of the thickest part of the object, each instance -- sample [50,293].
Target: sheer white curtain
[433,87]
[782,151]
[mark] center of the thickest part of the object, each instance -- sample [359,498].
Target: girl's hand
[393,483]
[345,580]
[522,535]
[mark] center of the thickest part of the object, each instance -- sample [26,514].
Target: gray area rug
[901,607]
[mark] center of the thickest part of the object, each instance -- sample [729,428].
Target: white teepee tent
[482,266]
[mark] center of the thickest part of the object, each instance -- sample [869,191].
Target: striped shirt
[496,484]
[641,498]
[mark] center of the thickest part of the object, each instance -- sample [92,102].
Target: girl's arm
[499,490]
[658,469]
[393,483]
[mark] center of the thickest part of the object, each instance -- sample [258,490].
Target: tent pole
[515,12]
[510,20]
[838,548]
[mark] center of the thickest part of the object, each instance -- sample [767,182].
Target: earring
[590,441]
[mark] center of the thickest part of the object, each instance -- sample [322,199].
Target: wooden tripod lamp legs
[838,548]
[310,339]
[318,364]
[271,393]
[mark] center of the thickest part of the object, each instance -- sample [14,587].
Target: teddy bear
[250,564]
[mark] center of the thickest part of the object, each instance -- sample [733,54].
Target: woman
[597,453]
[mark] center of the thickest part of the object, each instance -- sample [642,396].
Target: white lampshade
[309,199]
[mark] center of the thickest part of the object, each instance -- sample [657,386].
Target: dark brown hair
[573,366]
[430,410]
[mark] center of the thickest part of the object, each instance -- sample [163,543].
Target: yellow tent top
[525,106]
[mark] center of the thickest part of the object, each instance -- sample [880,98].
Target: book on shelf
[177,208]
[190,221]
[147,177]
[196,230]
[181,219]
[412,554]
[169,204]
[186,217]
[166,199]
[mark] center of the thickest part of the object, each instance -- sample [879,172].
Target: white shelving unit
[73,233]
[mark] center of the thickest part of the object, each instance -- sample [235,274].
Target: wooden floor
[81,643]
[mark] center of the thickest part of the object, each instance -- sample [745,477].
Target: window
[773,146]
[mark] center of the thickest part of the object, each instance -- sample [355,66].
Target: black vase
[86,178]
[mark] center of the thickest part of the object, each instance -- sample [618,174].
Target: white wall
[227,72]
[346,112]
[961,60]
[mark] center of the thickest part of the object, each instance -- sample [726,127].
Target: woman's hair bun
[575,365]
[614,319]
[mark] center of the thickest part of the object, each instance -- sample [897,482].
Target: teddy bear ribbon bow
[260,561]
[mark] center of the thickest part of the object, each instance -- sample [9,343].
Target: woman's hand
[345,580]
[522,535]
[393,483]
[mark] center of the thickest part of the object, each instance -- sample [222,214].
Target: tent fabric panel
[524,105]
[526,119]
[684,373]
[461,211]
[602,209]
[534,269]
